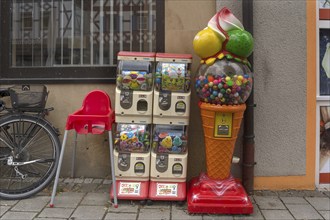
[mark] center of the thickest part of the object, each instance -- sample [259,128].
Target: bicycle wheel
[29,153]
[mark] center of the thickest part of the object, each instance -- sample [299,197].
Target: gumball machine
[134,91]
[223,84]
[172,89]
[133,115]
[168,166]
[132,160]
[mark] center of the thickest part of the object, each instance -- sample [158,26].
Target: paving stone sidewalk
[89,199]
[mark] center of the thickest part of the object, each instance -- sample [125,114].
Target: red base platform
[131,190]
[169,191]
[227,196]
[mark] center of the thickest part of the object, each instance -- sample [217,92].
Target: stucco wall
[280,87]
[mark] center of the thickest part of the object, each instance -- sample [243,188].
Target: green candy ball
[240,43]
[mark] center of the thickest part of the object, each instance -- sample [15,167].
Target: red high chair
[95,116]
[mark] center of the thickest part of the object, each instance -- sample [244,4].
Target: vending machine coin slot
[124,161]
[161,162]
[126,97]
[223,124]
[164,101]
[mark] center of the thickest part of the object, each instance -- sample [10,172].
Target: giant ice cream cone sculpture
[223,84]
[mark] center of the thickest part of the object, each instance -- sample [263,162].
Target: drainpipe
[248,141]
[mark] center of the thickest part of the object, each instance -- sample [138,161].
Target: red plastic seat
[94,117]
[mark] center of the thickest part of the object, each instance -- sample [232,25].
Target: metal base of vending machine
[211,196]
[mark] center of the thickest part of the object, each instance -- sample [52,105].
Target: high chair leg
[113,170]
[73,165]
[58,169]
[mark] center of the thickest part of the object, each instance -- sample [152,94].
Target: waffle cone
[219,151]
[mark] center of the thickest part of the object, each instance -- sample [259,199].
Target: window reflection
[57,33]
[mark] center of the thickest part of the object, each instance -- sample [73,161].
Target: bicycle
[29,144]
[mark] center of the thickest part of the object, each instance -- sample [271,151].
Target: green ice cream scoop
[240,43]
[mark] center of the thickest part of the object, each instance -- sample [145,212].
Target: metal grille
[59,33]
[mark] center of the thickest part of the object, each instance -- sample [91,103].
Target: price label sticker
[165,189]
[129,188]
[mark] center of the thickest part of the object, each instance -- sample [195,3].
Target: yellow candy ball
[207,43]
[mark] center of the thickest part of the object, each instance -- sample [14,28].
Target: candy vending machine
[134,91]
[133,115]
[171,104]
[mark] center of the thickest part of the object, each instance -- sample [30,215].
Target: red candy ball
[210,78]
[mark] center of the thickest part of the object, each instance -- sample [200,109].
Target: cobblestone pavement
[89,199]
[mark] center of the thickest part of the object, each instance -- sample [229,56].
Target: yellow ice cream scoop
[207,43]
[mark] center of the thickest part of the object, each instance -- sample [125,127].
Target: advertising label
[129,188]
[165,189]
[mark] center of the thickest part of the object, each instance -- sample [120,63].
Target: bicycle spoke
[11,173]
[30,134]
[7,137]
[31,170]
[42,140]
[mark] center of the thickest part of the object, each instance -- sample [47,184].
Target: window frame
[322,100]
[67,74]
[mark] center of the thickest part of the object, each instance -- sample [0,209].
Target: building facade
[71,47]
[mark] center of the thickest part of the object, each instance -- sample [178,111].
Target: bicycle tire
[27,138]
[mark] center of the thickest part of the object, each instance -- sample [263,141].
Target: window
[75,40]
[323,93]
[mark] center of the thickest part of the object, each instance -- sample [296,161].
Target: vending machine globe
[223,84]
[171,108]
[133,115]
